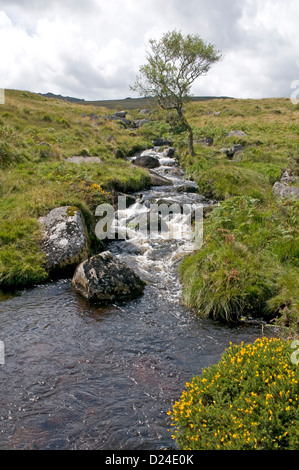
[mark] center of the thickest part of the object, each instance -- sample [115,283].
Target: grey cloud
[214,20]
[259,59]
[43,5]
[79,78]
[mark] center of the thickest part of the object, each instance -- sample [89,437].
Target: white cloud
[93,49]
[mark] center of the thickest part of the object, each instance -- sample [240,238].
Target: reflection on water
[77,376]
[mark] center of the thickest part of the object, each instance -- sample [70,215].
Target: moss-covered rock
[65,240]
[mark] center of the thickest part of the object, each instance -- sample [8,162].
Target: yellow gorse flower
[251,386]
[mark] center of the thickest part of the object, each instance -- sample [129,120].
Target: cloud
[93,49]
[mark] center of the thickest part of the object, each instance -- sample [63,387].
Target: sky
[93,49]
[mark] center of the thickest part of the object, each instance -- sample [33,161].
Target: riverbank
[248,265]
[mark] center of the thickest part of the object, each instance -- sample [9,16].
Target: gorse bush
[249,400]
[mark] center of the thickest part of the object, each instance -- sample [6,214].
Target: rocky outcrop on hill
[285,191]
[284,188]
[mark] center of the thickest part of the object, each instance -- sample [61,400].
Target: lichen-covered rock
[65,240]
[237,133]
[285,191]
[105,278]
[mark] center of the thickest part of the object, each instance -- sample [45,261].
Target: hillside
[248,264]
[127,103]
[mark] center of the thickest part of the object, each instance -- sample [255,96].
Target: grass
[249,252]
[37,134]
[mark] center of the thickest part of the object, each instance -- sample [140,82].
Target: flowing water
[77,376]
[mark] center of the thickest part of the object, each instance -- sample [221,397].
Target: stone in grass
[237,133]
[65,240]
[105,278]
[285,191]
[79,159]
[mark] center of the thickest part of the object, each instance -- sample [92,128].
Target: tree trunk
[189,130]
[190,139]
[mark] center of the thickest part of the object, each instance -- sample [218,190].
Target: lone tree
[173,64]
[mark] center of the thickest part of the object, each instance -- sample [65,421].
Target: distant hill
[63,98]
[127,103]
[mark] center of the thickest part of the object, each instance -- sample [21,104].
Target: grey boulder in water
[105,278]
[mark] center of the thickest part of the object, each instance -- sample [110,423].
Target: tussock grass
[248,265]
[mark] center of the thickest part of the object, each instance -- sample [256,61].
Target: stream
[77,376]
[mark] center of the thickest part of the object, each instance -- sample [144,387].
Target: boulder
[147,161]
[237,133]
[288,178]
[285,191]
[140,122]
[169,152]
[117,117]
[130,199]
[208,141]
[144,111]
[105,278]
[158,180]
[230,153]
[159,142]
[120,114]
[168,202]
[65,240]
[187,188]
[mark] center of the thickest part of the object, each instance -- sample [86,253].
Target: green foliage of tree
[173,64]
